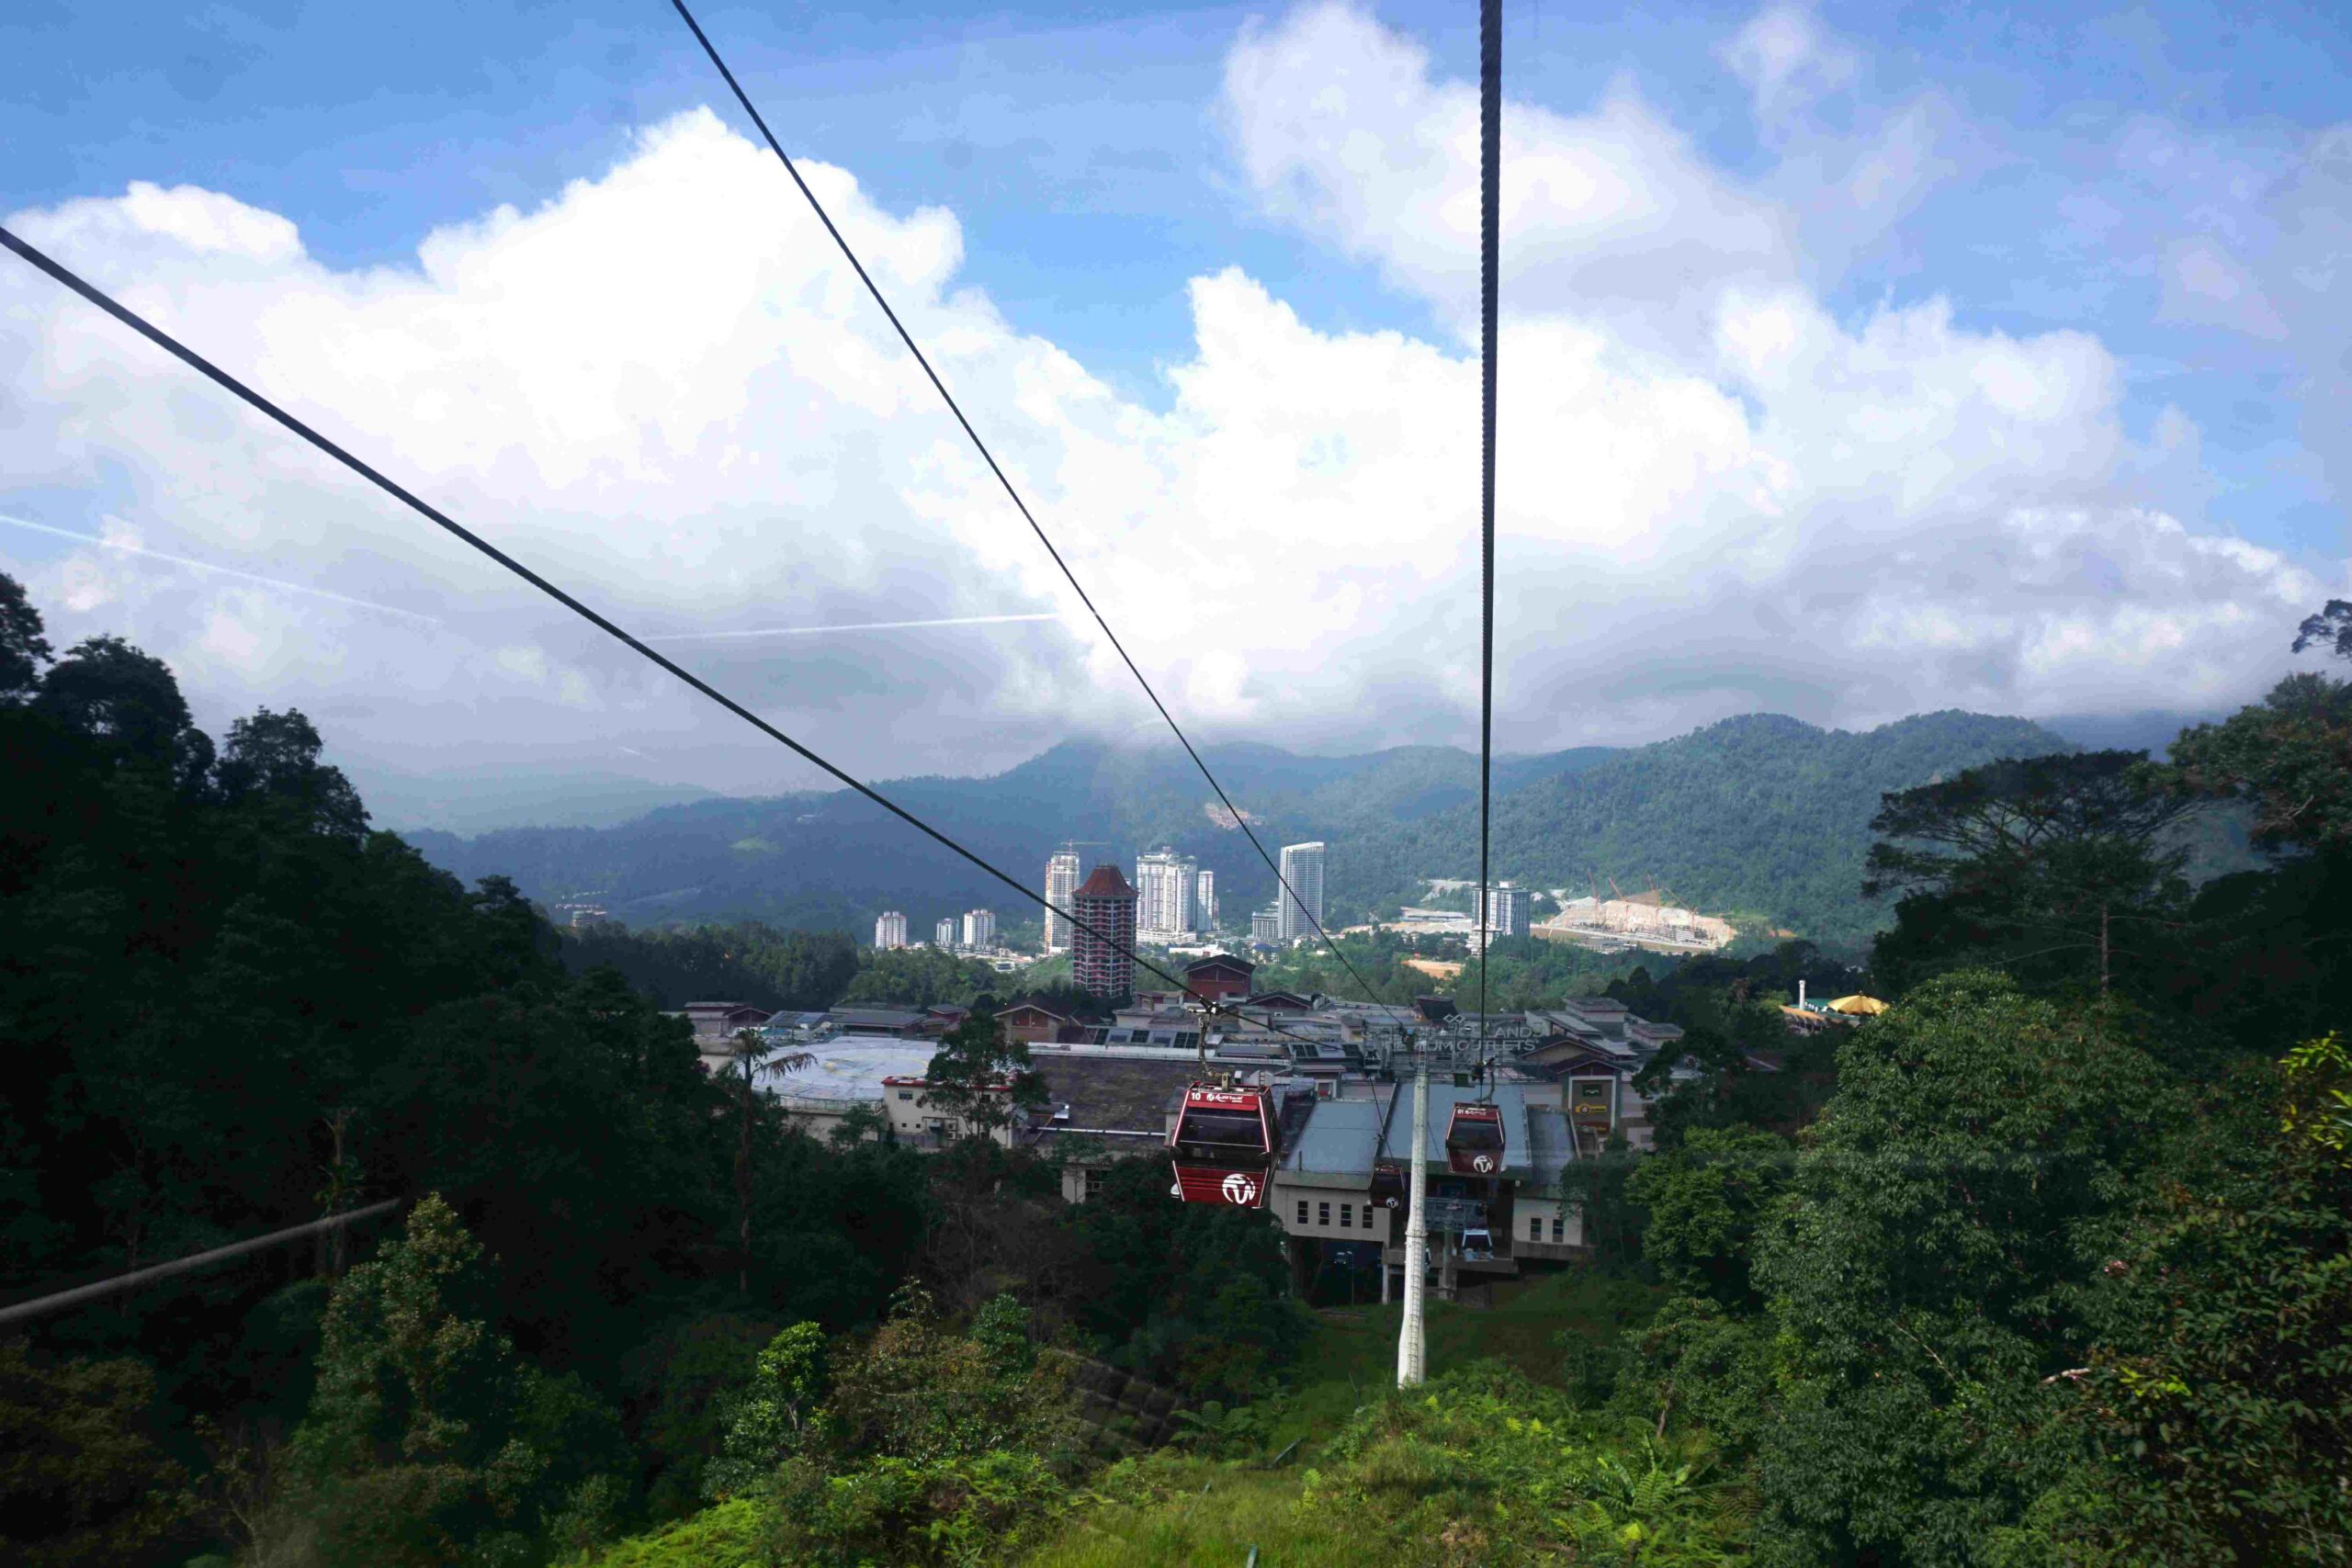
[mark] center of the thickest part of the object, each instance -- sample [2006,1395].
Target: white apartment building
[1205,901]
[979,929]
[943,935]
[891,929]
[1061,881]
[1301,904]
[1164,886]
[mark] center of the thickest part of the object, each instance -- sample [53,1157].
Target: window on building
[1302,1211]
[1347,1216]
[1535,1227]
[906,1094]
[1322,1213]
[1367,1216]
[1093,1181]
[1555,1227]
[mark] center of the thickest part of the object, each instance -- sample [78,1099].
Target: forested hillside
[1761,816]
[833,860]
[2046,1266]
[1756,815]
[228,1007]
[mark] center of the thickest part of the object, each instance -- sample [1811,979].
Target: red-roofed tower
[1105,903]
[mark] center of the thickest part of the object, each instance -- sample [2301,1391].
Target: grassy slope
[1178,1511]
[1167,1509]
[721,1537]
[1161,1515]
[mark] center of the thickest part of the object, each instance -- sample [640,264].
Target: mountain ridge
[1760,815]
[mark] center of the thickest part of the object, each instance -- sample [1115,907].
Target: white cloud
[664,388]
[1788,61]
[2204,285]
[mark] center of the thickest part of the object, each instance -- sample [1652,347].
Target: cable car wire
[1005,480]
[416,503]
[1490,157]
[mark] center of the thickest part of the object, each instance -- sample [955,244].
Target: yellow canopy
[1858,1004]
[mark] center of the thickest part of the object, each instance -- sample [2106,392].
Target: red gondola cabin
[1474,1140]
[1223,1147]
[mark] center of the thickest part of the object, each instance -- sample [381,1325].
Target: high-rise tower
[1107,904]
[1302,905]
[889,930]
[1061,881]
[1205,901]
[1164,896]
[1508,904]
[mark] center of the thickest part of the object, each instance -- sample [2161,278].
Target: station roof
[1338,1139]
[1550,1144]
[1443,1098]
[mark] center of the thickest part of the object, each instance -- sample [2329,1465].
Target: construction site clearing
[1641,920]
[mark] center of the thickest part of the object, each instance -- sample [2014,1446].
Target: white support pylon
[1412,1360]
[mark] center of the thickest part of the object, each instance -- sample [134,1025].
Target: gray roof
[1340,1138]
[878,1018]
[1117,1093]
[1550,1144]
[1398,1145]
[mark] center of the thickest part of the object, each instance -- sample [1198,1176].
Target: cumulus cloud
[664,389]
[1787,61]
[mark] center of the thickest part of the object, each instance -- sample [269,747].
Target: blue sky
[1080,148]
[2080,171]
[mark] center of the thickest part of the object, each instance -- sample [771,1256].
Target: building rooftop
[1096,1094]
[1340,1139]
[1518,1164]
[1551,1145]
[851,1067]
[872,1020]
[1106,882]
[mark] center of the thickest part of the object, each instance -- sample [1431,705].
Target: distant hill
[1762,816]
[834,860]
[1759,816]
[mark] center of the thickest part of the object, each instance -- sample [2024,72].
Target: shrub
[950,1510]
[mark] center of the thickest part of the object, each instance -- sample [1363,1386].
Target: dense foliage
[2049,1264]
[230,1007]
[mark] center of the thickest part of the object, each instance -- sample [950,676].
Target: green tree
[273,758]
[2219,1401]
[2055,869]
[401,1371]
[1950,1213]
[2284,756]
[406,1447]
[983,1077]
[23,649]
[917,1389]
[1706,1201]
[82,1479]
[916,976]
[771,1418]
[107,690]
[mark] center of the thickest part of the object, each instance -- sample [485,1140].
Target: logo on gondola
[1240,1190]
[1482,1163]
